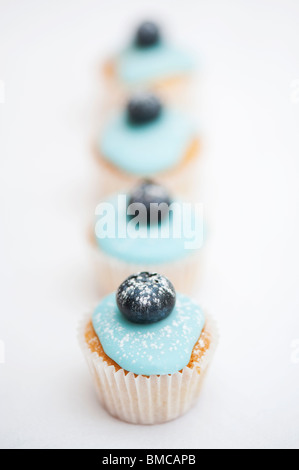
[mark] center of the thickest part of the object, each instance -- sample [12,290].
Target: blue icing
[160,348]
[146,150]
[144,250]
[137,65]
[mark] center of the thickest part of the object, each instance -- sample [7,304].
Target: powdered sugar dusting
[146,293]
[161,348]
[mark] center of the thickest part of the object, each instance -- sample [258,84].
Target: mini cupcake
[148,230]
[149,61]
[148,139]
[148,350]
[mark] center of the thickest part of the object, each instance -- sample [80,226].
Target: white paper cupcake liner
[185,274]
[147,400]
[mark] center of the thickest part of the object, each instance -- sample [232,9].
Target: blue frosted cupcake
[148,349]
[147,139]
[151,62]
[167,236]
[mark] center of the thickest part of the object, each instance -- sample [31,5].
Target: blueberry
[148,35]
[147,193]
[144,108]
[146,298]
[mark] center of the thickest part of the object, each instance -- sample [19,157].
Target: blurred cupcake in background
[149,62]
[148,349]
[148,230]
[149,139]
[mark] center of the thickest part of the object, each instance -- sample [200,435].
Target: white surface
[49,54]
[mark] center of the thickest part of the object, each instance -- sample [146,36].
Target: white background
[50,53]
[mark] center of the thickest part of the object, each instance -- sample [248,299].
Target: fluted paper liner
[147,400]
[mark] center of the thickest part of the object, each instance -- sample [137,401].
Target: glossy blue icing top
[146,150]
[160,348]
[145,250]
[137,65]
